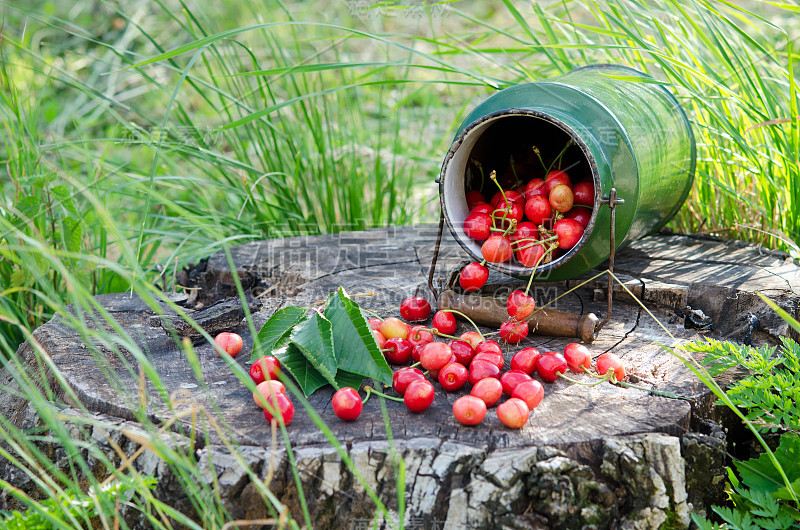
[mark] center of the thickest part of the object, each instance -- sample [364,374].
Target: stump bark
[598,457]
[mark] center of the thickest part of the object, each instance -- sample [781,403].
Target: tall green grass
[138,137]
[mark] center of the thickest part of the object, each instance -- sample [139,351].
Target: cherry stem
[539,154]
[467,318]
[483,263]
[603,380]
[539,242]
[653,391]
[533,273]
[415,364]
[558,158]
[371,391]
[373,313]
[517,181]
[480,168]
[490,334]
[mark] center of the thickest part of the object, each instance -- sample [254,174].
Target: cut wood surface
[694,286]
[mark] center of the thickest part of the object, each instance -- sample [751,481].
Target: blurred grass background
[322,117]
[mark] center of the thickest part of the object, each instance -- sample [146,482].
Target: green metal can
[624,131]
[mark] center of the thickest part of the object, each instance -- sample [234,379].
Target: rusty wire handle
[612,201]
[436,256]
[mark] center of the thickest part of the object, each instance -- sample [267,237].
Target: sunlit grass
[299,121]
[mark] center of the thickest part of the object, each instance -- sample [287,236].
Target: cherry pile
[529,222]
[454,363]
[470,359]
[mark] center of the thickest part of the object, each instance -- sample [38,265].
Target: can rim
[541,114]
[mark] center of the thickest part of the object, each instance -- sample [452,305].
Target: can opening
[492,142]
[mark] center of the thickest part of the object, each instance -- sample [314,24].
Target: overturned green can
[615,126]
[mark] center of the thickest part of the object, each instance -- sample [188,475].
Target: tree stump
[598,457]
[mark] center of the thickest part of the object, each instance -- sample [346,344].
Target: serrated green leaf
[354,343]
[313,338]
[71,232]
[292,359]
[275,331]
[344,378]
[19,277]
[29,208]
[61,193]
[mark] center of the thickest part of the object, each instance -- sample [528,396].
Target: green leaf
[275,331]
[292,359]
[71,232]
[354,343]
[761,475]
[313,338]
[61,193]
[344,378]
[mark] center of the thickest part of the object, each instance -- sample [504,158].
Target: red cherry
[473,337]
[444,322]
[267,367]
[530,256]
[511,379]
[506,211]
[379,338]
[481,370]
[347,404]
[469,410]
[534,188]
[478,226]
[280,403]
[473,276]
[513,413]
[496,249]
[531,392]
[525,230]
[415,309]
[435,355]
[453,376]
[584,193]
[569,232]
[264,389]
[418,395]
[488,390]
[435,373]
[556,177]
[582,215]
[521,190]
[474,197]
[484,208]
[611,361]
[538,209]
[550,365]
[578,357]
[403,377]
[494,358]
[400,350]
[419,335]
[511,195]
[416,352]
[230,343]
[375,323]
[393,327]
[525,360]
[513,331]
[561,198]
[508,180]
[520,305]
[462,350]
[488,346]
